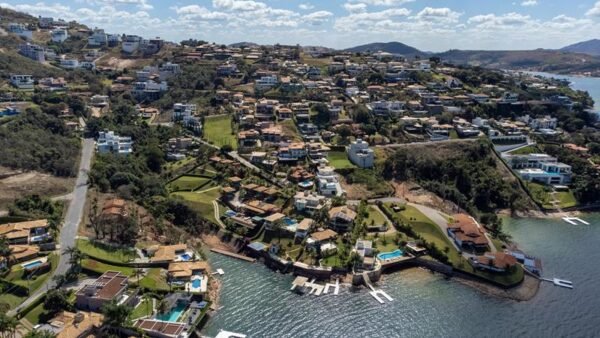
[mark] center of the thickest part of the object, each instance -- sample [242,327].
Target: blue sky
[432,25]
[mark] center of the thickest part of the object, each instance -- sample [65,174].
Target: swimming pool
[185,257]
[384,256]
[289,221]
[196,283]
[32,265]
[174,314]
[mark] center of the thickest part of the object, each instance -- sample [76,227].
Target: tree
[323,117]
[115,315]
[39,334]
[57,300]
[5,250]
[8,325]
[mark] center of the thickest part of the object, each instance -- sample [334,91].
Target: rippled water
[589,84]
[257,301]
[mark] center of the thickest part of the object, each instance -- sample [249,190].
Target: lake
[589,84]
[257,301]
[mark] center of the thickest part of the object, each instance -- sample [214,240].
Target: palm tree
[162,306]
[8,325]
[115,315]
[137,273]
[39,334]
[5,250]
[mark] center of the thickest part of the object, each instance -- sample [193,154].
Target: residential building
[364,249]
[318,238]
[540,168]
[45,22]
[69,63]
[98,38]
[303,228]
[53,84]
[171,253]
[25,232]
[509,97]
[34,52]
[131,43]
[59,35]
[183,271]
[149,90]
[341,218]
[327,182]
[108,141]
[20,253]
[168,70]
[310,202]
[360,154]
[387,108]
[266,82]
[22,81]
[161,329]
[467,233]
[73,325]
[274,220]
[99,101]
[496,262]
[20,30]
[111,285]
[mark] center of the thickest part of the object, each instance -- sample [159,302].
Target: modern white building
[98,38]
[69,63]
[34,52]
[360,154]
[310,202]
[131,43]
[168,70]
[20,30]
[149,90]
[108,141]
[327,182]
[59,35]
[266,82]
[541,168]
[386,108]
[22,81]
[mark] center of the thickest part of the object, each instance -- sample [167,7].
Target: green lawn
[202,202]
[375,217]
[384,243]
[339,160]
[143,309]
[100,268]
[15,276]
[543,195]
[34,315]
[187,183]
[532,149]
[154,280]
[107,253]
[217,130]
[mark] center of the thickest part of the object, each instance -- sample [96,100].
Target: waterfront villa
[190,273]
[25,232]
[341,218]
[319,238]
[162,329]
[171,253]
[496,262]
[541,168]
[467,233]
[303,228]
[111,285]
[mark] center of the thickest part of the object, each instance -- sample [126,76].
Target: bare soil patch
[14,184]
[414,193]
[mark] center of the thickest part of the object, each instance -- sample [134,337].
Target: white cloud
[529,3]
[370,20]
[317,18]
[355,8]
[239,5]
[195,12]
[438,14]
[388,3]
[495,21]
[594,11]
[306,6]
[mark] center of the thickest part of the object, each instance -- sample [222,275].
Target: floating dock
[234,255]
[559,282]
[336,287]
[574,220]
[219,272]
[374,292]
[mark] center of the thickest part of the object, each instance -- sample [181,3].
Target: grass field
[187,183]
[375,216]
[100,268]
[143,309]
[154,280]
[543,195]
[105,252]
[526,150]
[202,202]
[217,130]
[339,160]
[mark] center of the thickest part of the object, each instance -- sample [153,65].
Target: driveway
[68,232]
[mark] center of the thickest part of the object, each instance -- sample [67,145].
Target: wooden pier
[233,255]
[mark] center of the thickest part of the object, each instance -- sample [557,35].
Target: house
[20,253]
[303,228]
[171,253]
[327,181]
[161,329]
[183,271]
[360,154]
[292,152]
[114,210]
[59,35]
[168,70]
[274,220]
[131,43]
[98,38]
[20,30]
[73,324]
[25,232]
[53,84]
[266,82]
[108,141]
[310,202]
[467,233]
[149,90]
[69,63]
[496,262]
[22,81]
[387,108]
[111,285]
[248,138]
[45,22]
[318,238]
[541,168]
[364,249]
[34,52]
[341,218]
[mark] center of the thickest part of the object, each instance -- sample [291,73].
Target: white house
[509,97]
[327,181]
[22,81]
[386,108]
[131,43]
[98,38]
[34,52]
[69,63]
[108,141]
[59,35]
[20,30]
[266,82]
[360,154]
[310,202]
[540,168]
[168,70]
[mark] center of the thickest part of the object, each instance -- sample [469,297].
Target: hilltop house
[108,141]
[111,285]
[540,168]
[59,35]
[360,154]
[32,51]
[20,30]
[22,81]
[341,218]
[310,202]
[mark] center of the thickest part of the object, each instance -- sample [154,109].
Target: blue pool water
[390,255]
[32,265]
[306,184]
[172,315]
[289,221]
[196,283]
[185,257]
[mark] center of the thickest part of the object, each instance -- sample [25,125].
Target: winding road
[68,232]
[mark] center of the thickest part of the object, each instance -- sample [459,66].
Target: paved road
[68,232]
[399,145]
[243,161]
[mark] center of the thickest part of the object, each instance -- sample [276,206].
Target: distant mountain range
[389,47]
[590,47]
